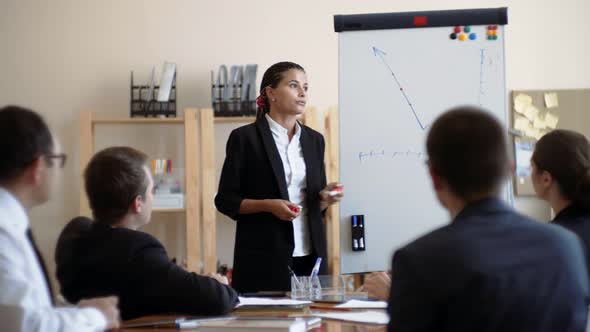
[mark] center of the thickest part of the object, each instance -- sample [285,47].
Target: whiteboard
[393,83]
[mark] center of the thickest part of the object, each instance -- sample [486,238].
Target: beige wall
[62,56]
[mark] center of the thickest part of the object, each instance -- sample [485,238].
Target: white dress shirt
[294,167]
[24,298]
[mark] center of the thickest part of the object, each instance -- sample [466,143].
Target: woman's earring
[274,100]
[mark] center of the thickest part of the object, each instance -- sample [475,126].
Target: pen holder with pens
[329,288]
[235,106]
[143,101]
[306,287]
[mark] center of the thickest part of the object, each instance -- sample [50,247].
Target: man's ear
[437,181]
[33,174]
[136,205]
[546,179]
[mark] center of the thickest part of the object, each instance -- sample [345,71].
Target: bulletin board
[536,112]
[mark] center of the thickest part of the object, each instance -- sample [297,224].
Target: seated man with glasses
[111,256]
[30,165]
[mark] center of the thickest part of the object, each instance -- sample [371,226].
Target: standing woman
[273,183]
[561,176]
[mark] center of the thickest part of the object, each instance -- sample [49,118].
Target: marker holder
[235,106]
[357,223]
[143,102]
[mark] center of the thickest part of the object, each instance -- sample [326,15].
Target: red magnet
[420,20]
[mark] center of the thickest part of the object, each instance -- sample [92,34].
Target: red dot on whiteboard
[420,20]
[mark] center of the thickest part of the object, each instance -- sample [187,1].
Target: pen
[294,276]
[316,268]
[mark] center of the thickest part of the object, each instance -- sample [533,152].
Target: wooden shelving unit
[192,178]
[201,182]
[234,119]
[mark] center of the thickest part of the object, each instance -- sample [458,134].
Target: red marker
[336,190]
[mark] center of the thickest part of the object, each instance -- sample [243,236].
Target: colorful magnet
[472,36]
[457,29]
[453,36]
[467,28]
[462,37]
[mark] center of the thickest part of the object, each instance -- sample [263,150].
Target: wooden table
[327,325]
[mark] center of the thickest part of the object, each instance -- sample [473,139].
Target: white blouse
[294,167]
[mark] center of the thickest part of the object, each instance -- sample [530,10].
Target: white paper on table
[358,304]
[551,100]
[261,301]
[551,120]
[369,316]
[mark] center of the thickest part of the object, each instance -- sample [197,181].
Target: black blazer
[491,269]
[577,220]
[253,169]
[94,259]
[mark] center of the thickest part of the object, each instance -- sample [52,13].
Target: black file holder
[143,103]
[235,106]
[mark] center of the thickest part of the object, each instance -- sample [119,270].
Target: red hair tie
[260,102]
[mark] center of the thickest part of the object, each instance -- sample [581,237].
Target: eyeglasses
[61,157]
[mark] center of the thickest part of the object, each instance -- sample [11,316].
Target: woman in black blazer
[273,183]
[561,176]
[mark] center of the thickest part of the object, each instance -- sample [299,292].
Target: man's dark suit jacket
[491,269]
[253,169]
[577,219]
[94,259]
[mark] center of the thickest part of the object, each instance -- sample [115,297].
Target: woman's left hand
[333,193]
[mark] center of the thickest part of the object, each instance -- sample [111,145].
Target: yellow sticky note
[551,120]
[534,132]
[531,112]
[521,123]
[551,100]
[521,101]
[539,123]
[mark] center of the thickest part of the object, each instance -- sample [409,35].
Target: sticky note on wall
[551,120]
[539,122]
[521,102]
[521,123]
[551,100]
[531,112]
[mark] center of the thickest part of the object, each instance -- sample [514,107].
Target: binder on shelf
[234,93]
[143,101]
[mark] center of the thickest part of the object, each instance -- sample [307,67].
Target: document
[369,316]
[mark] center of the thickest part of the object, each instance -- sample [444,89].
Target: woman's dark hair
[467,147]
[113,179]
[272,76]
[24,137]
[565,154]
